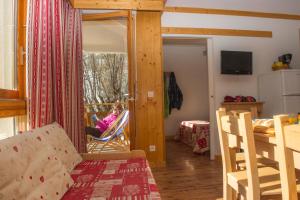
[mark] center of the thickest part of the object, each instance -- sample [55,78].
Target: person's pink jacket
[106,122]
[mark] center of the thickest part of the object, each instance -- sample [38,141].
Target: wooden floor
[188,175]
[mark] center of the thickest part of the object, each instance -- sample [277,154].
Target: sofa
[44,164]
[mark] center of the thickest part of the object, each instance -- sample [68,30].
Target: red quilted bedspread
[113,179]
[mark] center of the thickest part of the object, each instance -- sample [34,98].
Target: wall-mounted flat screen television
[236,62]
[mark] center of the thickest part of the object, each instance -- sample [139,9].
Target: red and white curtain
[54,60]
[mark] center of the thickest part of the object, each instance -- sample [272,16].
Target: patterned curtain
[55,74]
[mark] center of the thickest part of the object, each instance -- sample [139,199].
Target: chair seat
[261,161]
[269,179]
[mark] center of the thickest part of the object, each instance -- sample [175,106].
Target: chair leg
[228,192]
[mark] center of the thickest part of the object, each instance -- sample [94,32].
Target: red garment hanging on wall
[54,60]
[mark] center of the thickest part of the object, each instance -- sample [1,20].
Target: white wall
[189,64]
[7,127]
[105,35]
[265,50]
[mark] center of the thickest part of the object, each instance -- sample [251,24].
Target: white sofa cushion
[30,169]
[56,136]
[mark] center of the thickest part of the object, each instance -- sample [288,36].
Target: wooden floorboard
[187,175]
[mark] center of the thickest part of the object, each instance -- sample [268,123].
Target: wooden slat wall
[119,4]
[149,111]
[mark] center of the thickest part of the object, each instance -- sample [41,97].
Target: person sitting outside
[105,123]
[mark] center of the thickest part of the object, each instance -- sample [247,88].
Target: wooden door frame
[212,99]
[123,14]
[211,87]
[131,77]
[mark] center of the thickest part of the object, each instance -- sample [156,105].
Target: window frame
[13,102]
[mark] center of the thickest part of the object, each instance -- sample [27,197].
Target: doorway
[107,79]
[190,60]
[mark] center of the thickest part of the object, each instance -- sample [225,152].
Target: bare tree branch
[105,78]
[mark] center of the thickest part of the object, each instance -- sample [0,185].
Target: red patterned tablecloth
[113,180]
[195,134]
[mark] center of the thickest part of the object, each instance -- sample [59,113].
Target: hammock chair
[114,137]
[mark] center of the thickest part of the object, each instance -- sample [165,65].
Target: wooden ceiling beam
[216,31]
[232,13]
[151,5]
[105,16]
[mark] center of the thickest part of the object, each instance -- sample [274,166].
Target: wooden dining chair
[253,183]
[288,142]
[239,156]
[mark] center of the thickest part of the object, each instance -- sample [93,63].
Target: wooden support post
[149,101]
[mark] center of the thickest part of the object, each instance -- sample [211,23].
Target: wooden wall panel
[149,111]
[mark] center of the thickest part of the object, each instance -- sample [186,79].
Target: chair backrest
[119,127]
[288,141]
[123,122]
[239,127]
[111,128]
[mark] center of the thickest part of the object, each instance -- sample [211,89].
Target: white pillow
[30,169]
[56,136]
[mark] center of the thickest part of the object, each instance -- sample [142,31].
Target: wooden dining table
[265,146]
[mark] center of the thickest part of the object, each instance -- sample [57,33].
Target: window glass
[8,27]
[7,127]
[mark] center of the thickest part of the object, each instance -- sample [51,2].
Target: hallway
[188,176]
